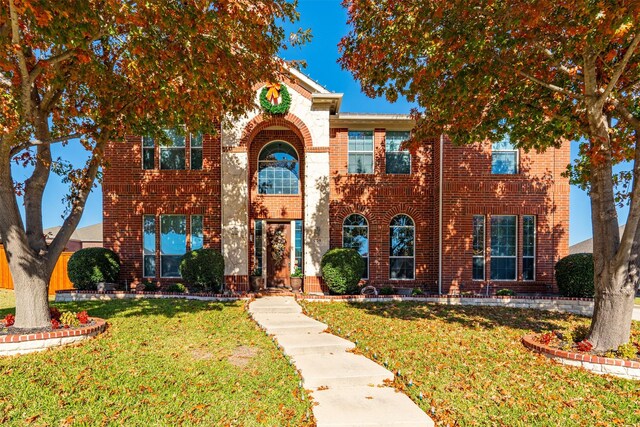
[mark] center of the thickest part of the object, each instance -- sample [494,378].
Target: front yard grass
[466,364]
[161,362]
[637,301]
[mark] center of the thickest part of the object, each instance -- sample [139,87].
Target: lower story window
[402,248]
[173,243]
[503,247]
[478,247]
[298,246]
[528,247]
[149,246]
[257,246]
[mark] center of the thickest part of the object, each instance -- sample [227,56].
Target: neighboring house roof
[586,246]
[90,233]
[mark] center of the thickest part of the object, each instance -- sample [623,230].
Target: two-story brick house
[446,218]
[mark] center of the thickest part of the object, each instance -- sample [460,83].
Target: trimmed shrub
[386,290]
[506,293]
[342,270]
[90,266]
[417,291]
[574,275]
[149,286]
[177,288]
[203,269]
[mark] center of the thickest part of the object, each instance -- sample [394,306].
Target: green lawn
[466,364]
[637,300]
[161,362]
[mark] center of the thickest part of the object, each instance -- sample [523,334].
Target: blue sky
[327,20]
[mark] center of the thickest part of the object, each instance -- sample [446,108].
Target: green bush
[506,293]
[342,270]
[203,269]
[149,286]
[177,288]
[387,290]
[574,275]
[417,291]
[90,266]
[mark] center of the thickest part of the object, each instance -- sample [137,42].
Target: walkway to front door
[348,388]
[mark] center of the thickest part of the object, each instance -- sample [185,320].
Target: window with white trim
[401,248]
[355,235]
[503,247]
[397,160]
[504,158]
[360,152]
[148,246]
[196,151]
[172,151]
[278,169]
[173,243]
[528,247]
[478,248]
[148,153]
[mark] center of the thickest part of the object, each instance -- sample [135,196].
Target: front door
[278,254]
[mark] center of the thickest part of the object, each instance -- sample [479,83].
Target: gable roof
[586,246]
[90,233]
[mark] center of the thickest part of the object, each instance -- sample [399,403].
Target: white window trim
[160,246]
[484,249]
[368,241]
[271,161]
[404,257]
[515,279]
[155,247]
[373,156]
[395,151]
[516,150]
[535,246]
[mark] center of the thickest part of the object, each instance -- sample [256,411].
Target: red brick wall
[379,197]
[129,192]
[470,189]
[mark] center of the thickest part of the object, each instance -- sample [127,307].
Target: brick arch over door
[262,121]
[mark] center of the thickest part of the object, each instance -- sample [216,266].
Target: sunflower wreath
[276,109]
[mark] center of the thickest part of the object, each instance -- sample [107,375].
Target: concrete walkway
[349,389]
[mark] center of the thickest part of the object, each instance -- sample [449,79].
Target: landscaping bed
[466,365]
[161,362]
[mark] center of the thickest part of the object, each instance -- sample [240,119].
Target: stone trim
[600,365]
[581,306]
[73,295]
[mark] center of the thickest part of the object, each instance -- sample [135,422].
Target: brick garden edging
[600,365]
[73,295]
[581,306]
[29,343]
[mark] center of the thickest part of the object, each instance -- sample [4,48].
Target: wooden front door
[278,254]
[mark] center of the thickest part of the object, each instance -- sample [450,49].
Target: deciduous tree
[93,70]
[539,71]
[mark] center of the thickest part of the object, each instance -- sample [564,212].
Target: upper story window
[398,161]
[355,235]
[196,151]
[401,248]
[278,169]
[172,153]
[148,153]
[504,158]
[360,148]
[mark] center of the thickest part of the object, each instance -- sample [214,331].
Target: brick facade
[468,188]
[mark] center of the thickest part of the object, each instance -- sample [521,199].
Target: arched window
[401,248]
[355,235]
[278,169]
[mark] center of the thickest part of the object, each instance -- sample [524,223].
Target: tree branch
[627,116]
[619,70]
[557,64]
[37,142]
[51,62]
[629,234]
[4,80]
[549,86]
[22,61]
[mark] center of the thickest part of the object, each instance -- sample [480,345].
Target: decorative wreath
[278,246]
[275,98]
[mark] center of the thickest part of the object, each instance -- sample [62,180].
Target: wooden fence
[59,278]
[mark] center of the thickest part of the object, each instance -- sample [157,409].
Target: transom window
[503,247]
[355,235]
[398,161]
[278,169]
[504,158]
[402,248]
[360,149]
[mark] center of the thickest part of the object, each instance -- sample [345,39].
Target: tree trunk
[31,285]
[613,308]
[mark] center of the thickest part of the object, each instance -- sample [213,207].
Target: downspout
[440,215]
